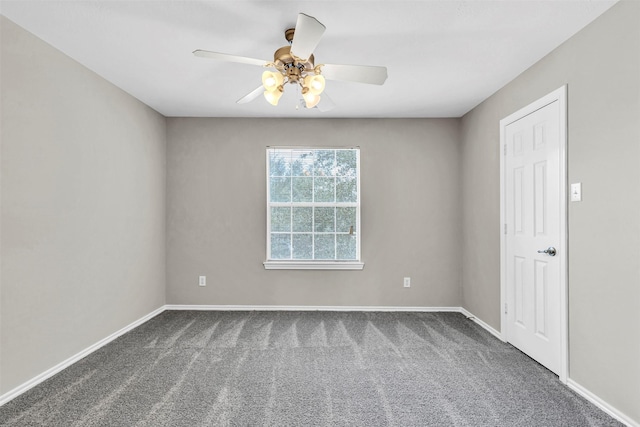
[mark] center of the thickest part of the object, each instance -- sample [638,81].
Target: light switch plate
[576,192]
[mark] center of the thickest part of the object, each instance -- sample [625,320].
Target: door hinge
[505,228]
[505,308]
[504,151]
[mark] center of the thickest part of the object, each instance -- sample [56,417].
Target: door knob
[551,251]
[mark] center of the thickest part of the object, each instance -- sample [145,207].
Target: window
[313,208]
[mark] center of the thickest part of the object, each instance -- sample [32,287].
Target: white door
[534,231]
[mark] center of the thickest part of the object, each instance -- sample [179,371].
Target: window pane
[279,163]
[324,190]
[346,190]
[302,189]
[325,246]
[346,163]
[280,219]
[302,246]
[345,218]
[302,219]
[280,189]
[313,203]
[324,163]
[302,163]
[280,246]
[324,219]
[346,246]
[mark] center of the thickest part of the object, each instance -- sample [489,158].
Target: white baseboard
[486,326]
[304,308]
[11,394]
[604,406]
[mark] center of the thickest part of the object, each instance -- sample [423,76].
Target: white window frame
[292,264]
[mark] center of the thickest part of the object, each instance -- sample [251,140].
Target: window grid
[314,233]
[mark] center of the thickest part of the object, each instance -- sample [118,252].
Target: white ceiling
[443,57]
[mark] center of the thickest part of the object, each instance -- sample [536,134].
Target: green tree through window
[313,211]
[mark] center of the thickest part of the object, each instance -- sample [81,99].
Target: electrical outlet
[407,282]
[202,281]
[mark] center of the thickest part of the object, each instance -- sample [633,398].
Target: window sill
[313,265]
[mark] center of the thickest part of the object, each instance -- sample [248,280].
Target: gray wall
[601,65]
[83,202]
[216,222]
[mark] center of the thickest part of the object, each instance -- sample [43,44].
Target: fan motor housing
[283,59]
[292,66]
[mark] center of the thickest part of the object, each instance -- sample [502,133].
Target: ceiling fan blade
[306,37]
[229,58]
[326,103]
[355,73]
[251,95]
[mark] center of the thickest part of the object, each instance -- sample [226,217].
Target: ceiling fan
[295,64]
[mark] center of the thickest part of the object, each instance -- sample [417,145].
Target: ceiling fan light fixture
[311,99]
[273,97]
[272,80]
[315,83]
[295,64]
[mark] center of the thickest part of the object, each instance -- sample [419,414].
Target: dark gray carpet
[186,368]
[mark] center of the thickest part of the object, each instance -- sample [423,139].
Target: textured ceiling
[443,57]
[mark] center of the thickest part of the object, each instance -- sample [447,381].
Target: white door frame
[559,95]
